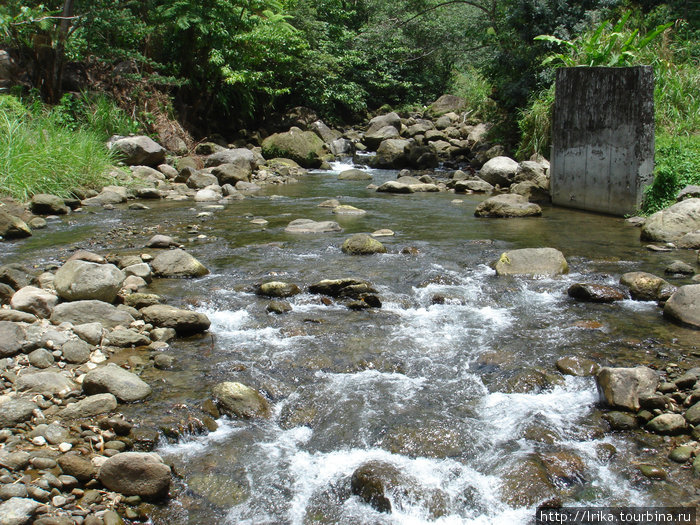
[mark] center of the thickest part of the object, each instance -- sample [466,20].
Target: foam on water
[195,445]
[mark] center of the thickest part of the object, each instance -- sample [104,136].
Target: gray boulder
[392,153]
[622,387]
[183,321]
[474,185]
[81,280]
[668,424]
[35,301]
[177,263]
[309,226]
[499,170]
[325,133]
[200,180]
[15,411]
[12,338]
[362,244]
[507,206]
[447,104]
[689,241]
[346,287]
[232,173]
[45,383]
[381,121]
[393,186]
[139,150]
[303,147]
[673,222]
[239,400]
[18,511]
[241,157]
[45,204]
[126,337]
[354,174]
[91,311]
[136,474]
[113,379]
[89,332]
[12,227]
[533,262]
[684,306]
[374,138]
[90,406]
[77,351]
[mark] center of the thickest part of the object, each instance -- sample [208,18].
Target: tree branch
[444,4]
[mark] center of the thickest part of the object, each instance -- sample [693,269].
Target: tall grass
[39,154]
[535,124]
[472,86]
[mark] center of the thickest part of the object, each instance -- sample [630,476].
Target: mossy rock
[303,147]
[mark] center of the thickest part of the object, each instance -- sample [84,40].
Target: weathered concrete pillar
[603,138]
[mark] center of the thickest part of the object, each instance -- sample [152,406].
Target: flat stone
[81,312]
[16,410]
[90,406]
[546,262]
[113,379]
[35,301]
[595,293]
[309,226]
[183,321]
[45,383]
[668,424]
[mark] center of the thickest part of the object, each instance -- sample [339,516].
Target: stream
[453,381]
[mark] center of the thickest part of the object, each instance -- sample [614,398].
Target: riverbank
[445,349]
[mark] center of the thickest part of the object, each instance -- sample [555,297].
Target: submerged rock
[309,226]
[533,262]
[239,400]
[622,387]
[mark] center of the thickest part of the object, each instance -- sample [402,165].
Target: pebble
[39,441]
[65,447]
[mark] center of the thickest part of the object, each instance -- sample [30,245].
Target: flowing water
[452,381]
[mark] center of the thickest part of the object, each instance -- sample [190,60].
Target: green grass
[677,165]
[535,124]
[39,154]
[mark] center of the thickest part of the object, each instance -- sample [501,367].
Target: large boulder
[80,280]
[241,157]
[230,173]
[622,387]
[393,186]
[362,244]
[354,174]
[12,338]
[52,383]
[18,511]
[325,133]
[136,474]
[310,226]
[177,263]
[684,306]
[595,293]
[113,379]
[304,147]
[46,204]
[499,170]
[374,138]
[239,400]
[447,104]
[645,286]
[507,205]
[12,227]
[183,321]
[140,150]
[674,222]
[532,261]
[392,153]
[91,311]
[16,410]
[90,406]
[381,121]
[35,301]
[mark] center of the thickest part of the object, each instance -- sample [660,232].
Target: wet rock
[362,244]
[672,223]
[595,293]
[577,366]
[12,227]
[393,186]
[646,286]
[136,474]
[35,301]
[113,379]
[278,307]
[692,415]
[507,205]
[437,440]
[345,209]
[12,337]
[177,263]
[354,174]
[679,268]
[533,262]
[652,471]
[161,241]
[183,321]
[126,337]
[45,383]
[499,170]
[139,151]
[309,226]
[90,406]
[16,410]
[379,483]
[90,311]
[563,468]
[349,287]
[622,387]
[684,306]
[621,420]
[473,186]
[218,489]
[163,361]
[81,280]
[330,203]
[239,400]
[277,289]
[681,454]
[668,424]
[80,467]
[232,173]
[142,300]
[17,460]
[17,511]
[45,204]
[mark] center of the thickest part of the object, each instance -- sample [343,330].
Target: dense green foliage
[40,154]
[677,162]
